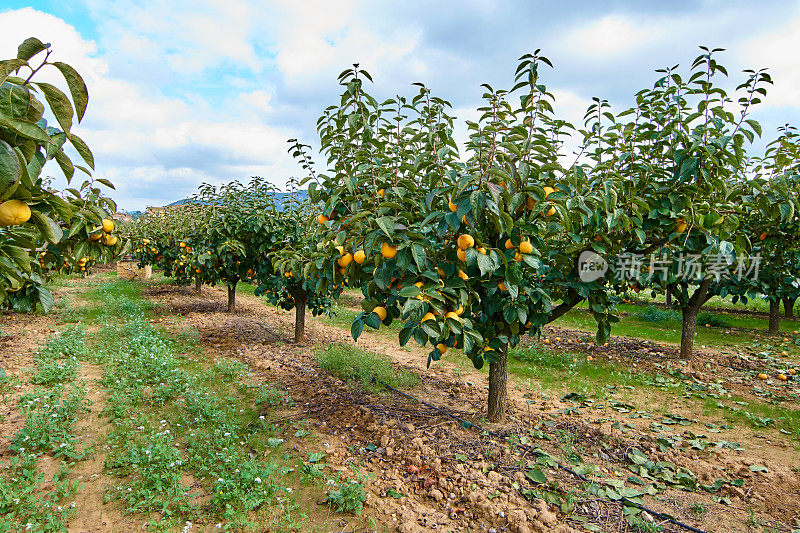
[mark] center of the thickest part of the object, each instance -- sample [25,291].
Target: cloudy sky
[183,92]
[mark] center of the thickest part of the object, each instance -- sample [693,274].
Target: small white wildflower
[257,480]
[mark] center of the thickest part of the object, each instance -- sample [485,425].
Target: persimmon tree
[43,230]
[468,254]
[171,239]
[239,228]
[682,151]
[778,242]
[289,283]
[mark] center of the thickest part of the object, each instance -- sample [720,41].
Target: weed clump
[712,320]
[655,315]
[353,364]
[348,497]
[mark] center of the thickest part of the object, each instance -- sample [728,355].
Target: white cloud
[187,37]
[318,39]
[776,49]
[612,36]
[155,148]
[255,101]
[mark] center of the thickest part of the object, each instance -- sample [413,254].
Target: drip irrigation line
[276,335]
[466,424]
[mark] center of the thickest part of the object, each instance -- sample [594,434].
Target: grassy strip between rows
[176,423]
[192,440]
[50,411]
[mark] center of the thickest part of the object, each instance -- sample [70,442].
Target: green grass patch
[175,416]
[757,415]
[664,325]
[713,320]
[657,315]
[567,371]
[50,411]
[352,364]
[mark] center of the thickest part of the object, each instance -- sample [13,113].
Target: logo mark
[591,266]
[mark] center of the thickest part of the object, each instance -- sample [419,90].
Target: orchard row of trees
[471,250]
[238,233]
[43,230]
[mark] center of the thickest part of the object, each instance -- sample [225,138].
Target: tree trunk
[231,297]
[498,387]
[300,317]
[788,307]
[688,326]
[689,313]
[669,297]
[198,285]
[774,315]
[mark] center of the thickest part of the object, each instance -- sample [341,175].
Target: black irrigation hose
[467,424]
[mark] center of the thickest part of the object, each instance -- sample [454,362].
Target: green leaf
[535,475]
[106,183]
[410,291]
[394,494]
[10,169]
[51,231]
[357,328]
[9,66]
[419,255]
[30,47]
[387,225]
[316,457]
[66,165]
[45,299]
[59,105]
[86,154]
[484,264]
[77,87]
[372,320]
[405,335]
[27,129]
[787,211]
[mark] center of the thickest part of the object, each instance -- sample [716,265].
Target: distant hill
[282,197]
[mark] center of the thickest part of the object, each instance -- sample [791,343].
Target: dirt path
[92,515]
[409,440]
[20,338]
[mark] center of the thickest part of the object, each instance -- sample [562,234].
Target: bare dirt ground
[425,472]
[20,338]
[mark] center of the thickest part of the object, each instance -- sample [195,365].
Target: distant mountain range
[282,197]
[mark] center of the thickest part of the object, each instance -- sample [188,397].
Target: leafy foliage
[42,230]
